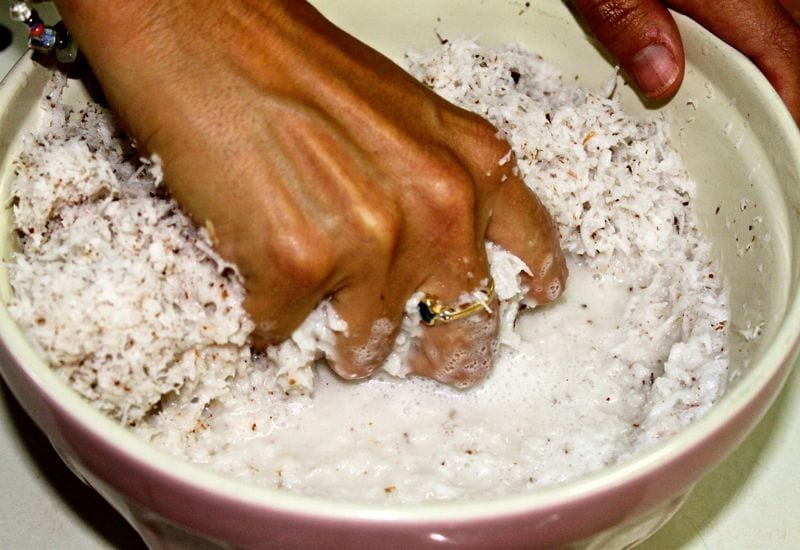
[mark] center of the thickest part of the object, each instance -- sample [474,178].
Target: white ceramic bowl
[738,142]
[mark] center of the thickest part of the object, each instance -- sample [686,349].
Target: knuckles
[610,18]
[445,203]
[376,229]
[492,146]
[443,198]
[483,147]
[449,198]
[302,257]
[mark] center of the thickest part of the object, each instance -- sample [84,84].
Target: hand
[322,170]
[642,35]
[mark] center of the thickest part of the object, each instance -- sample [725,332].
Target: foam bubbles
[547,263]
[554,289]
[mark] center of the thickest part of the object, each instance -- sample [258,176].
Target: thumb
[768,32]
[644,39]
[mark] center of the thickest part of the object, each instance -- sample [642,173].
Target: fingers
[643,37]
[276,313]
[793,7]
[460,352]
[764,31]
[522,225]
[449,265]
[373,314]
[284,279]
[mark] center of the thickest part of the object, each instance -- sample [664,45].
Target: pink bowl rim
[779,357]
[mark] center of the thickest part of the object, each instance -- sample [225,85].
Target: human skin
[322,170]
[643,36]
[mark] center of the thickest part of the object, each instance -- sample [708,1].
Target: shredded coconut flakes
[131,306]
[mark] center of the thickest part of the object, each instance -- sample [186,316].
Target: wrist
[130,31]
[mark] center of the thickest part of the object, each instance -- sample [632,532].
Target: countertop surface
[752,500]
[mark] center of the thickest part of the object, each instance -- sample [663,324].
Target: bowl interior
[722,122]
[734,135]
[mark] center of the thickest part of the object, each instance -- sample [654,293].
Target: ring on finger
[433,311]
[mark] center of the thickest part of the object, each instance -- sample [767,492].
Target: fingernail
[654,69]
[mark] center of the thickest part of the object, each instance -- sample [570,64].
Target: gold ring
[432,311]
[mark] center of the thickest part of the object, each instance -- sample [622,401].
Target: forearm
[105,29]
[285,45]
[325,170]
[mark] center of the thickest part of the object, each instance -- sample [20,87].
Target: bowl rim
[778,356]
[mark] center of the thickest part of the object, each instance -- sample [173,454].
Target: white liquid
[609,369]
[548,411]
